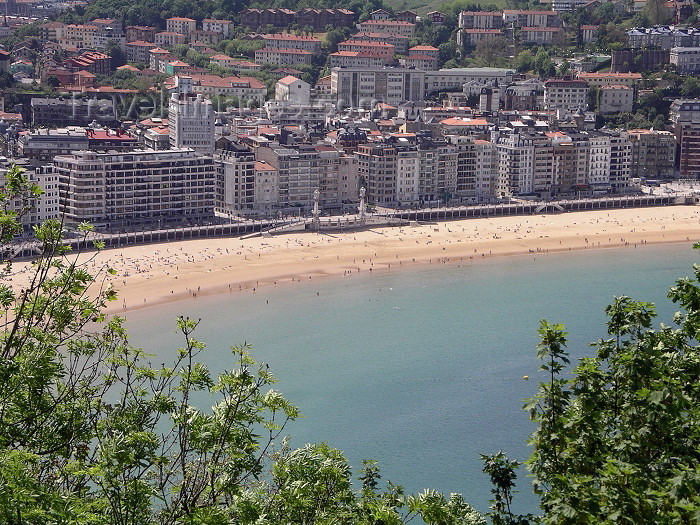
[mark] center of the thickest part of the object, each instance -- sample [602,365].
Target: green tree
[93,432]
[491,51]
[656,12]
[114,50]
[619,441]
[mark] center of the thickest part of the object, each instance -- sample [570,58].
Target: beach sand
[148,275]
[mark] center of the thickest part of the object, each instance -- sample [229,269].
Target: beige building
[129,188]
[78,35]
[280,56]
[606,79]
[169,39]
[653,153]
[396,27]
[180,25]
[615,98]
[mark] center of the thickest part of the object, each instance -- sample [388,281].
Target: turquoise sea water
[422,369]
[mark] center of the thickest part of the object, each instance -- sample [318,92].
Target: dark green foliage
[619,442]
[93,432]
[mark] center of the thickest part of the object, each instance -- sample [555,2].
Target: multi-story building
[235,181]
[51,31]
[400,42]
[653,153]
[685,117]
[524,18]
[218,26]
[523,161]
[565,94]
[686,60]
[359,87]
[397,27]
[210,38]
[243,88]
[109,33]
[620,161]
[599,174]
[45,144]
[614,99]
[538,35]
[663,37]
[169,38]
[128,188]
[267,188]
[158,58]
[72,111]
[141,33]
[280,56]
[289,41]
[465,186]
[480,20]
[254,18]
[451,79]
[424,62]
[180,25]
[78,35]
[318,19]
[190,118]
[92,61]
[292,90]
[357,59]
[471,37]
[298,171]
[381,50]
[603,79]
[45,206]
[377,166]
[138,51]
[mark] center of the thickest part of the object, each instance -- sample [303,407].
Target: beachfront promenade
[379,218]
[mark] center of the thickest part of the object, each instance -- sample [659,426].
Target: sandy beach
[148,275]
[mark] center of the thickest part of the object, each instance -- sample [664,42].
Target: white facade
[293,90]
[133,187]
[190,119]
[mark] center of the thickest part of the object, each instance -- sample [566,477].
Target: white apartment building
[181,25]
[217,26]
[615,98]
[282,56]
[45,206]
[169,38]
[135,187]
[288,41]
[359,87]
[190,119]
[388,26]
[485,170]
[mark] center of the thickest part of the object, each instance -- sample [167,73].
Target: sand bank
[148,275]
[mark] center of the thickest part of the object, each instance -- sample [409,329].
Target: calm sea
[422,369]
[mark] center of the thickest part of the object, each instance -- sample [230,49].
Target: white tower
[190,119]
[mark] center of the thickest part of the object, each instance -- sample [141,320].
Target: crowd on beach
[156,273]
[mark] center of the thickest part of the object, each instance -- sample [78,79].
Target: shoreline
[155,274]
